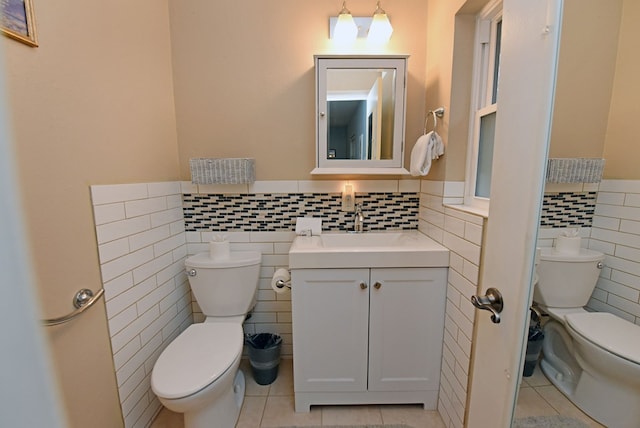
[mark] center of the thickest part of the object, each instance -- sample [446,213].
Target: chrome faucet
[358,220]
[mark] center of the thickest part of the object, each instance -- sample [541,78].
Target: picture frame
[17,21]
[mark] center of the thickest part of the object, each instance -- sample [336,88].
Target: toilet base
[610,402]
[224,413]
[611,407]
[564,384]
[607,404]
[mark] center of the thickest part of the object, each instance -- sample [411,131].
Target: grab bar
[83,300]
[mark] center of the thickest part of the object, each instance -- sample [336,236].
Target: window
[484,108]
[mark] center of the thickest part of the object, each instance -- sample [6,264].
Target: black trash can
[534,344]
[264,356]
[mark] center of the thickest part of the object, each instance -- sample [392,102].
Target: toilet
[593,358]
[197,374]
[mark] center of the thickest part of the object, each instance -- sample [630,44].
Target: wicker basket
[222,171]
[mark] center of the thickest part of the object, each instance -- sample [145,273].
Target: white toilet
[591,357]
[197,374]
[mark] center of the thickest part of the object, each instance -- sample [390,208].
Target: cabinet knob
[363,285]
[377,285]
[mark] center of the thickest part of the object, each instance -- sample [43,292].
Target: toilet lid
[235,259]
[196,358]
[609,332]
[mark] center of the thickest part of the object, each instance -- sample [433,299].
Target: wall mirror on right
[360,114]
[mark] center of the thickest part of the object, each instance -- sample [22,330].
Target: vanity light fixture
[346,29]
[380,29]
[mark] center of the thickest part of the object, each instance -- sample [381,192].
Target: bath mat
[355,426]
[556,421]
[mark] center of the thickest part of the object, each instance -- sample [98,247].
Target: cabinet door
[330,321]
[406,328]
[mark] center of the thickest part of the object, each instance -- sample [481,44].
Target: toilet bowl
[197,373]
[591,357]
[594,359]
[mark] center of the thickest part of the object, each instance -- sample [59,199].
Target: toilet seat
[608,332]
[561,313]
[196,358]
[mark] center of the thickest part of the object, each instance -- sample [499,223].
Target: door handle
[492,302]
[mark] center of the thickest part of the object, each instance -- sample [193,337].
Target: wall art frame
[18,21]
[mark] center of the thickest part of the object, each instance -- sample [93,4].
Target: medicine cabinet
[360,114]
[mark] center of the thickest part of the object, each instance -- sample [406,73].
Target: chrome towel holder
[437,113]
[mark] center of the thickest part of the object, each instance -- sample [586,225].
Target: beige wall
[585,77]
[440,30]
[451,30]
[93,104]
[244,77]
[598,92]
[622,151]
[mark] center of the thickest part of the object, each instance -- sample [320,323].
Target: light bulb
[381,29]
[346,29]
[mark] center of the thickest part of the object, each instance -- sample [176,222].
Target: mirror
[596,105]
[360,106]
[356,101]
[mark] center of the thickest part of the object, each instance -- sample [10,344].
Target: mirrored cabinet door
[360,113]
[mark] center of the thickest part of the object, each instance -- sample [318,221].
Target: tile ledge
[481,212]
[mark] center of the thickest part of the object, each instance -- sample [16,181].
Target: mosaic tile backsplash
[271,212]
[568,209]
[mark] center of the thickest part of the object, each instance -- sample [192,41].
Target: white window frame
[482,93]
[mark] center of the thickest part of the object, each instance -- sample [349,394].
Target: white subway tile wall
[547,235]
[142,247]
[461,233]
[616,232]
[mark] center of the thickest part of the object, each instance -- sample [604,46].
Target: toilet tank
[226,287]
[566,280]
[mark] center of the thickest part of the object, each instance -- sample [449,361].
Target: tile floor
[538,397]
[272,406]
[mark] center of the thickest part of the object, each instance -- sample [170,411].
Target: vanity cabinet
[365,336]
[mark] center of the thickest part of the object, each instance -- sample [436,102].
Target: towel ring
[437,113]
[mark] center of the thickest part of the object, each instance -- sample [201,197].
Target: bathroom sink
[369,249]
[347,240]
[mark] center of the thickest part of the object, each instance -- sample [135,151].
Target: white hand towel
[438,149]
[420,156]
[427,148]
